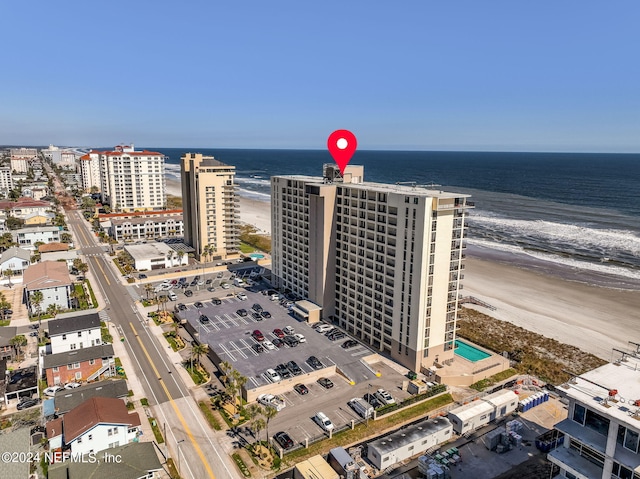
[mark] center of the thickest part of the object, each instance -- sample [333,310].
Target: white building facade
[602,432]
[383,261]
[28,237]
[6,180]
[90,171]
[132,180]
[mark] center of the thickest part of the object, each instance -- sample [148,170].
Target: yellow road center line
[103,272]
[174,405]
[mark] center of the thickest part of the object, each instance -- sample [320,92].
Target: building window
[579,413]
[55,369]
[64,337]
[631,440]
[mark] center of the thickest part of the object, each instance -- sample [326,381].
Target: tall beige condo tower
[384,261]
[210,206]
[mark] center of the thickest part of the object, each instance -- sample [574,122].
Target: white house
[97,424]
[74,332]
[52,278]
[15,259]
[155,256]
[28,237]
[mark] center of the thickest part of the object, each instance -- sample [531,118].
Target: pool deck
[469,352]
[463,372]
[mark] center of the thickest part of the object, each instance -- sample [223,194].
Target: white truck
[272,400]
[362,407]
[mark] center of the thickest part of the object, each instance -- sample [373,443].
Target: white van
[362,407]
[323,421]
[172,296]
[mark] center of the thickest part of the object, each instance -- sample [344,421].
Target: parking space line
[342,416]
[227,352]
[249,347]
[360,353]
[253,380]
[239,350]
[223,322]
[231,319]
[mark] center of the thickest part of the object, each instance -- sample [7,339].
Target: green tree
[4,305]
[198,350]
[9,273]
[258,425]
[36,300]
[18,342]
[148,288]
[83,267]
[6,241]
[180,256]
[66,237]
[269,413]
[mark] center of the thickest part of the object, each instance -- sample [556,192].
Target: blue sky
[465,75]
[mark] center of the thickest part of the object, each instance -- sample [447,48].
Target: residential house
[35,192]
[35,219]
[137,460]
[28,237]
[143,224]
[68,256]
[86,364]
[24,206]
[53,280]
[97,424]
[109,388]
[21,382]
[7,351]
[15,259]
[74,332]
[53,247]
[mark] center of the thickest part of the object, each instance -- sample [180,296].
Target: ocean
[573,215]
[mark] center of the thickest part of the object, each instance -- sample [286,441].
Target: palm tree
[83,267]
[170,258]
[258,425]
[198,350]
[8,273]
[162,300]
[225,368]
[269,413]
[18,342]
[36,300]
[52,310]
[4,305]
[148,288]
[180,256]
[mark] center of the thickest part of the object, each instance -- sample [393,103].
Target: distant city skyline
[554,77]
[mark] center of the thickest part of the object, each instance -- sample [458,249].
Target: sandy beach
[591,318]
[252,212]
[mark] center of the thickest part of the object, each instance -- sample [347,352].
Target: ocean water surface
[576,215]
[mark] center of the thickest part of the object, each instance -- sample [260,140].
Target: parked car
[301,389]
[269,345]
[283,439]
[225,286]
[198,304]
[257,307]
[188,293]
[242,312]
[140,276]
[300,338]
[181,307]
[216,301]
[266,314]
[272,375]
[283,371]
[209,281]
[348,344]
[72,385]
[314,362]
[278,333]
[371,399]
[257,347]
[278,343]
[384,397]
[291,341]
[323,421]
[241,296]
[26,403]
[289,330]
[219,275]
[323,328]
[337,335]
[256,316]
[257,335]
[325,383]
[204,319]
[51,391]
[294,368]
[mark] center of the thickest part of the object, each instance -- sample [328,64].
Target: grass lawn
[156,430]
[491,380]
[206,410]
[246,248]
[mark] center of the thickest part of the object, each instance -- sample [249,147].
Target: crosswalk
[104,316]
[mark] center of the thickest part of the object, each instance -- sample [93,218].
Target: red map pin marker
[342,145]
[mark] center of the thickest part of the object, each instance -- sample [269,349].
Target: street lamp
[178,444]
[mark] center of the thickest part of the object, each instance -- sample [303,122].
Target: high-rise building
[384,261]
[6,180]
[602,431]
[90,170]
[131,180]
[209,204]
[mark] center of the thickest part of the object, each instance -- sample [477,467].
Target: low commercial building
[156,255]
[478,413]
[408,442]
[307,311]
[143,225]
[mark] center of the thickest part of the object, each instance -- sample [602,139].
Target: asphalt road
[188,438]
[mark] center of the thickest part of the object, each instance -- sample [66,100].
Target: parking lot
[229,335]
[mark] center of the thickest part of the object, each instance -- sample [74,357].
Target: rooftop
[145,251]
[47,274]
[141,214]
[52,247]
[78,356]
[73,323]
[136,459]
[15,252]
[74,397]
[95,411]
[409,434]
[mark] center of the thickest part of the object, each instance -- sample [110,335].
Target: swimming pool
[256,256]
[468,352]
